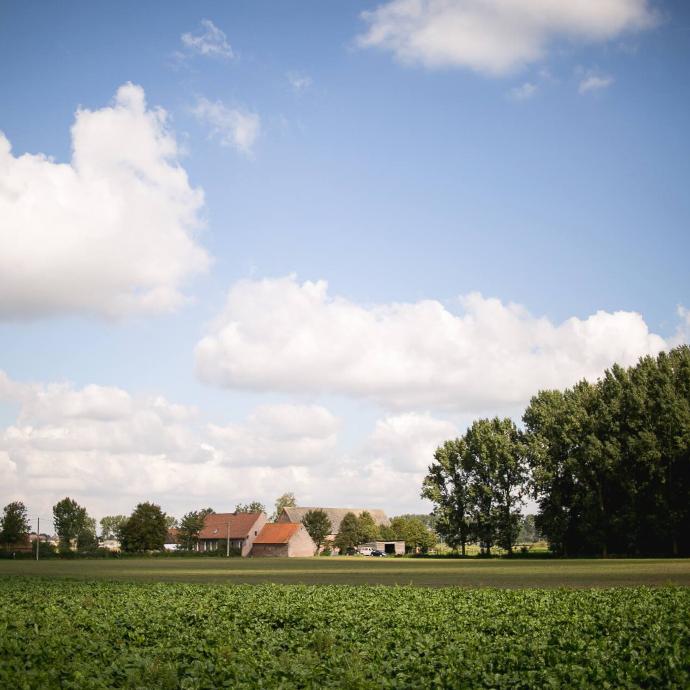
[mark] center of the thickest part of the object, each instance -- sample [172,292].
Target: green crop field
[360,571]
[74,634]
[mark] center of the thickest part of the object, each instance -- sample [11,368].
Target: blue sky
[435,178]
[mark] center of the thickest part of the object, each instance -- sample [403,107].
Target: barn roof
[336,515]
[277,533]
[239,525]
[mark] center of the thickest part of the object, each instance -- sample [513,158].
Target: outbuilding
[286,540]
[390,548]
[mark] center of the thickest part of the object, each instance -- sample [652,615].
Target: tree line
[608,464]
[147,527]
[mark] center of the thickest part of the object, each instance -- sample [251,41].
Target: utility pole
[227,547]
[38,536]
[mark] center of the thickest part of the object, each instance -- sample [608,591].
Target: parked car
[376,552]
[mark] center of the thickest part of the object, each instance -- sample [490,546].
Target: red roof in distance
[280,533]
[216,525]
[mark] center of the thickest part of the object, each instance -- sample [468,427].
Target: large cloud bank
[113,231]
[110,449]
[495,36]
[282,335]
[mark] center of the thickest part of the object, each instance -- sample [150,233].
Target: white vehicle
[365,550]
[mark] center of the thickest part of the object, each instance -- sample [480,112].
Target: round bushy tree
[145,529]
[14,524]
[318,525]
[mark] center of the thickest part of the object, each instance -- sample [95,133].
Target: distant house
[335,515]
[172,540]
[25,545]
[236,531]
[110,544]
[283,539]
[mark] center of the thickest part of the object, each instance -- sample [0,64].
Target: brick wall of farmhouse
[301,544]
[256,528]
[268,550]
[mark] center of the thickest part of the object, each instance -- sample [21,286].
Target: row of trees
[147,527]
[144,530]
[608,464]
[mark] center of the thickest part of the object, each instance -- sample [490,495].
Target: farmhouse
[285,539]
[226,531]
[335,515]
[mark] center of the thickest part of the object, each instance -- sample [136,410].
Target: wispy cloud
[209,41]
[234,127]
[496,37]
[299,81]
[523,92]
[595,82]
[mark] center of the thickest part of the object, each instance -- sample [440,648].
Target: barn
[284,540]
[335,515]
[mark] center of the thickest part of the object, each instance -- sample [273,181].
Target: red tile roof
[277,533]
[240,525]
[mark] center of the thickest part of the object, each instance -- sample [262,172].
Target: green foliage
[447,486]
[529,533]
[611,461]
[477,483]
[71,522]
[14,524]
[349,536]
[287,500]
[106,635]
[253,507]
[190,525]
[416,535]
[86,537]
[355,531]
[145,530]
[368,530]
[429,519]
[318,525]
[607,462]
[111,525]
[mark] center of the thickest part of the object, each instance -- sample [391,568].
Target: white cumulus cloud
[495,36]
[113,231]
[110,449]
[407,441]
[209,40]
[234,127]
[278,435]
[282,335]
